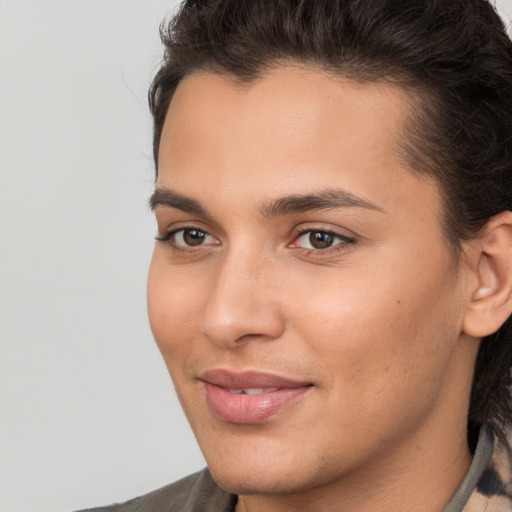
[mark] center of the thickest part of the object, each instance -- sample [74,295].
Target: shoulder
[489,479]
[194,493]
[494,488]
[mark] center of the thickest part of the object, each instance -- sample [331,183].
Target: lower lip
[247,409]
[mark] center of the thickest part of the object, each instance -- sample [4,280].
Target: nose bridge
[241,302]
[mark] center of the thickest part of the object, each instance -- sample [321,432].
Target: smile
[249,398]
[252,391]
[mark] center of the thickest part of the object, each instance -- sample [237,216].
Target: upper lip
[249,379]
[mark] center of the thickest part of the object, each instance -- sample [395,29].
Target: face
[301,291]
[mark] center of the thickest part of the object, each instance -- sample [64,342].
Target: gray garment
[194,493]
[486,487]
[480,461]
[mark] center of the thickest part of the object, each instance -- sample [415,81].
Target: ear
[491,298]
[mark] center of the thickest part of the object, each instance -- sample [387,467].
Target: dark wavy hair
[453,56]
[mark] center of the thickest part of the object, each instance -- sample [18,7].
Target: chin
[250,481]
[268,467]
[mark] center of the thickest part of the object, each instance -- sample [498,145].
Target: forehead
[305,105]
[295,128]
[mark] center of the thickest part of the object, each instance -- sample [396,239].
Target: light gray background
[87,412]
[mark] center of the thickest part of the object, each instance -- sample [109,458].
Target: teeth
[252,391]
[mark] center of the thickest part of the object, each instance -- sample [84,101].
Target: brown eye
[193,237]
[321,239]
[188,238]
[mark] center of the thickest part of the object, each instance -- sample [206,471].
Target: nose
[242,302]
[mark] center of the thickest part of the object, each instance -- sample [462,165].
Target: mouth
[250,397]
[251,391]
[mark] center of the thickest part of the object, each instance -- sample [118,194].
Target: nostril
[261,326]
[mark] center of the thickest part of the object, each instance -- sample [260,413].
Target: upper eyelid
[343,239]
[167,236]
[306,228]
[182,225]
[166,224]
[321,230]
[171,232]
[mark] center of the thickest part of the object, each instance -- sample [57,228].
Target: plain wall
[87,411]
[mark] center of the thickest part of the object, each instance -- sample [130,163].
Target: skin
[374,322]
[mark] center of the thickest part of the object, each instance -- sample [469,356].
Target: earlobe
[491,300]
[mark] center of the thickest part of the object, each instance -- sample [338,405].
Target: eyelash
[168,238]
[343,244]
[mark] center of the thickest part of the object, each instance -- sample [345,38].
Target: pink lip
[279,392]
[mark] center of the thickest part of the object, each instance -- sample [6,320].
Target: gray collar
[481,458]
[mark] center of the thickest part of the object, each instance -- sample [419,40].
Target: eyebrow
[166,197]
[327,199]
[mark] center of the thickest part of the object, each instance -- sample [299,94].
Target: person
[331,284]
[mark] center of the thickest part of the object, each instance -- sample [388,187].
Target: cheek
[173,311]
[382,336]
